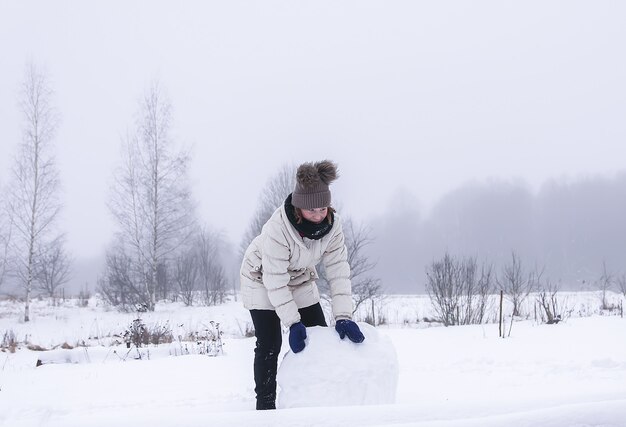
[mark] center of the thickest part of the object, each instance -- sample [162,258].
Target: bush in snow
[604,284]
[83,298]
[138,334]
[517,283]
[551,308]
[9,341]
[207,342]
[459,291]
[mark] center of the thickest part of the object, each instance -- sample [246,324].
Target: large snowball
[335,372]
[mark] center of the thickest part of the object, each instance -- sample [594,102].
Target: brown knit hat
[312,181]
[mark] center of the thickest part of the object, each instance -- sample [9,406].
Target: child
[278,274]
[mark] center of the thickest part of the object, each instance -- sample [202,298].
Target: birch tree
[151,198]
[6,228]
[34,191]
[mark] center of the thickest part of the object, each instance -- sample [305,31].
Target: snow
[335,372]
[569,374]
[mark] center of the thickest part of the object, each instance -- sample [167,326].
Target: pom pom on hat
[312,181]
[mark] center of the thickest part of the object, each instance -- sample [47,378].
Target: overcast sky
[407,97]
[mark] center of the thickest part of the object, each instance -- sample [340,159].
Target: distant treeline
[572,228]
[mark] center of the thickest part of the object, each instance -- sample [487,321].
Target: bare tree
[212,278]
[458,293]
[53,267]
[186,275]
[604,284]
[516,283]
[273,195]
[621,283]
[551,309]
[151,198]
[119,284]
[164,288]
[365,287]
[33,200]
[444,288]
[478,287]
[215,292]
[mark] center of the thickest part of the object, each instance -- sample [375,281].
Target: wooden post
[500,326]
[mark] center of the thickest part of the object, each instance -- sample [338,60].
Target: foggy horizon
[489,221]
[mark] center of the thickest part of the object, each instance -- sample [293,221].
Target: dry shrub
[36,347]
[138,334]
[9,341]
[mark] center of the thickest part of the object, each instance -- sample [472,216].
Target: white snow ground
[570,374]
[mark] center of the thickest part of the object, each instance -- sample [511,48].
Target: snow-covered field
[569,374]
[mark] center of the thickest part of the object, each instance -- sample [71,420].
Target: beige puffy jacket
[278,270]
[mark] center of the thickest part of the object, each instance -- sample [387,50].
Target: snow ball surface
[335,372]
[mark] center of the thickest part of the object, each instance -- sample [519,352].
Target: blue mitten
[348,328]
[297,335]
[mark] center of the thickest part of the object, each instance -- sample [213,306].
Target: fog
[480,127]
[569,229]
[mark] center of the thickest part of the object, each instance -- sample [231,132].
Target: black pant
[268,342]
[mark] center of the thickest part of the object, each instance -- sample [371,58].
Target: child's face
[316,215]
